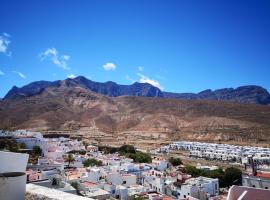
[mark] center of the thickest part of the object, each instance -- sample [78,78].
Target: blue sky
[180,46]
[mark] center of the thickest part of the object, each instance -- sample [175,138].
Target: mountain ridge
[76,109]
[242,94]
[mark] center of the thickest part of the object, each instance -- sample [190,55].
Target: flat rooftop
[43,193]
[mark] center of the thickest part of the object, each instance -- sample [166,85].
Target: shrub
[140,157]
[193,171]
[231,176]
[82,152]
[127,149]
[37,150]
[175,161]
[108,150]
[92,162]
[9,144]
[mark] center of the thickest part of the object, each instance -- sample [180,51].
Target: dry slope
[74,108]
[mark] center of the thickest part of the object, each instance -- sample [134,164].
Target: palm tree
[69,159]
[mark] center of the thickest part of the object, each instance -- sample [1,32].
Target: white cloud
[4,43]
[140,68]
[52,54]
[71,76]
[145,79]
[1,72]
[109,66]
[6,34]
[20,74]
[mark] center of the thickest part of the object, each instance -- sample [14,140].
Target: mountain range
[243,94]
[139,114]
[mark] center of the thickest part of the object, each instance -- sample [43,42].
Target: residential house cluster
[118,177]
[222,152]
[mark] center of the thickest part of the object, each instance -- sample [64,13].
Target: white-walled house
[198,187]
[159,164]
[121,179]
[154,180]
[261,180]
[92,175]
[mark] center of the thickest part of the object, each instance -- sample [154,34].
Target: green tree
[175,161]
[108,150]
[140,157]
[127,149]
[9,144]
[82,152]
[37,150]
[76,186]
[193,171]
[22,146]
[69,159]
[92,162]
[232,176]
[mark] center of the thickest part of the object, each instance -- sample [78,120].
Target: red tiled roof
[167,198]
[88,184]
[263,175]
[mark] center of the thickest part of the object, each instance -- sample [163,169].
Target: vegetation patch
[228,177]
[92,162]
[128,151]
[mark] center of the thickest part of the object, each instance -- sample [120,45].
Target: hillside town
[71,166]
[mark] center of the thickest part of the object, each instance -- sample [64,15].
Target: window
[185,196]
[124,182]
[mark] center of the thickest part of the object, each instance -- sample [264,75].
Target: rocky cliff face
[244,94]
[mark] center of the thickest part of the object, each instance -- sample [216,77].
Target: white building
[121,179]
[154,180]
[92,175]
[260,180]
[223,152]
[199,187]
[159,164]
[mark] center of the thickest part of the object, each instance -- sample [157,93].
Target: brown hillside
[79,111]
